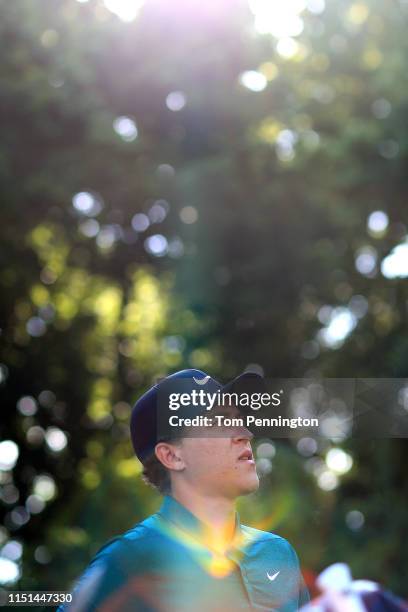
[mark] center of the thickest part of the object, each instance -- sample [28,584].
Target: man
[194,554]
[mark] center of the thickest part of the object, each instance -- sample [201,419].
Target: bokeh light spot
[9,571]
[307,446]
[388,148]
[13,550]
[327,481]
[339,461]
[377,222]
[253,80]
[126,128]
[34,504]
[87,203]
[106,238]
[126,10]
[264,465]
[287,47]
[42,555]
[89,228]
[175,101]
[36,327]
[156,245]
[341,323]
[140,222]
[9,453]
[3,373]
[366,260]
[396,263]
[27,405]
[56,439]
[266,450]
[19,516]
[315,6]
[280,19]
[355,520]
[358,305]
[188,215]
[176,248]
[44,487]
[158,211]
[35,435]
[381,108]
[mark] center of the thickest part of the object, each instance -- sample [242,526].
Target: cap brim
[248,383]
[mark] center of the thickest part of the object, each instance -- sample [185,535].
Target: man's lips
[247,456]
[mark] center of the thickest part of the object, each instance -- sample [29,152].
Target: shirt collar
[174,512]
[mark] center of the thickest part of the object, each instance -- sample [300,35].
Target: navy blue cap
[144,422]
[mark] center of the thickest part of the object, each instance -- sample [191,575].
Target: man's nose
[242,433]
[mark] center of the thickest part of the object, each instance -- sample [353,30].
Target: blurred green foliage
[250,230]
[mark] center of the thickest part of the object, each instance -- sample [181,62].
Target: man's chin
[250,486]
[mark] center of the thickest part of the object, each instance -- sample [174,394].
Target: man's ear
[170,455]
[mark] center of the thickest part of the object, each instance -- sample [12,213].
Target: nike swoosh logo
[202,381]
[272,577]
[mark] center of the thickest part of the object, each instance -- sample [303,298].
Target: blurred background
[198,184]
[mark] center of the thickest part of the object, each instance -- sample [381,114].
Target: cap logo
[201,381]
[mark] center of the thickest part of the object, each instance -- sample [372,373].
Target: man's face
[221,464]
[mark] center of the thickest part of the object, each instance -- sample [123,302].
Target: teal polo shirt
[164,564]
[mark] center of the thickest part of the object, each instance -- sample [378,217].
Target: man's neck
[216,513]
